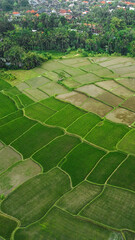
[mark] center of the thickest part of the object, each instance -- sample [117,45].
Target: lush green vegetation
[45,189]
[105,167]
[118,206]
[56,220]
[7,226]
[80,161]
[107,134]
[88,160]
[54,152]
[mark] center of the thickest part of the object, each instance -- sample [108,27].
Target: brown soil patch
[91,90]
[130,83]
[108,85]
[121,115]
[97,107]
[73,97]
[110,99]
[122,92]
[8,157]
[130,103]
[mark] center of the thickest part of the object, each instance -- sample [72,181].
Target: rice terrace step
[67,151]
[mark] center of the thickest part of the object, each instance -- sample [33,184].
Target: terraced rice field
[67,151]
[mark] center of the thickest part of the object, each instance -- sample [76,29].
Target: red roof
[63,11]
[103,2]
[16,13]
[31,11]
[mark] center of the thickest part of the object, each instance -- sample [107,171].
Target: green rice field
[67,151]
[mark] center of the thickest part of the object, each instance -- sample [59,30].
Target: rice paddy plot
[17,102]
[128,82]
[11,117]
[4,85]
[7,106]
[110,61]
[129,235]
[53,103]
[73,97]
[54,152]
[66,116]
[7,226]
[121,115]
[132,75]
[110,99]
[114,208]
[104,72]
[107,134]
[12,91]
[12,130]
[65,74]
[53,88]
[77,198]
[61,225]
[8,157]
[73,71]
[35,94]
[105,167]
[96,107]
[25,100]
[22,86]
[23,75]
[129,103]
[69,83]
[75,61]
[122,92]
[38,81]
[124,176]
[87,78]
[51,76]
[37,137]
[91,90]
[91,67]
[84,124]
[17,174]
[52,65]
[39,112]
[1,145]
[127,144]
[31,200]
[125,70]
[80,161]
[108,84]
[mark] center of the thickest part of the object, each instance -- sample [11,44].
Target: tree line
[100,31]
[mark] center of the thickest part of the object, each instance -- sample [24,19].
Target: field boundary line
[96,164]
[10,121]
[55,113]
[10,114]
[47,144]
[75,120]
[52,205]
[116,169]
[90,220]
[131,130]
[22,134]
[95,198]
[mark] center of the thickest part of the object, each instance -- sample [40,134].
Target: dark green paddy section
[7,226]
[62,225]
[30,201]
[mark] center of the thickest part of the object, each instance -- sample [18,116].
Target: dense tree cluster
[9,5]
[101,31]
